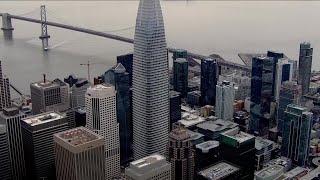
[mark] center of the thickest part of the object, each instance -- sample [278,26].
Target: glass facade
[209,78]
[180,76]
[126,60]
[175,107]
[305,63]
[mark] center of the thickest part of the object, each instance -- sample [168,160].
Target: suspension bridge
[44,36]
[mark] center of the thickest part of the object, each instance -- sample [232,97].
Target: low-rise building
[219,171]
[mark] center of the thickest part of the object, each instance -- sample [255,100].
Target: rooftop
[181,60]
[174,94]
[194,135]
[206,146]
[179,133]
[238,135]
[271,171]
[48,84]
[217,125]
[146,161]
[190,119]
[296,172]
[42,118]
[261,143]
[101,90]
[77,136]
[219,171]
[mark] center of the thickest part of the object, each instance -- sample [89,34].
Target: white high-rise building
[102,119]
[224,100]
[284,72]
[150,82]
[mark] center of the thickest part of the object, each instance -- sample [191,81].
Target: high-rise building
[275,56]
[37,135]
[224,100]
[290,93]
[5,165]
[241,82]
[102,119]
[238,148]
[150,82]
[283,72]
[79,155]
[127,60]
[264,148]
[180,76]
[305,63]
[12,117]
[209,79]
[5,97]
[49,96]
[181,154]
[261,94]
[179,53]
[78,89]
[118,77]
[206,154]
[153,167]
[175,107]
[296,134]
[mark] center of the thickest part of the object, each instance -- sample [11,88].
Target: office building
[241,118]
[284,72]
[79,155]
[179,53]
[78,89]
[296,134]
[5,165]
[264,148]
[209,79]
[242,84]
[153,167]
[102,119]
[49,96]
[180,76]
[213,129]
[37,135]
[150,82]
[269,173]
[194,98]
[120,79]
[261,94]
[206,154]
[5,96]
[224,100]
[126,60]
[220,171]
[182,164]
[290,93]
[275,57]
[305,64]
[175,107]
[238,148]
[12,117]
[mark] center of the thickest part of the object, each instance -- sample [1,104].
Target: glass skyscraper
[209,78]
[296,134]
[305,63]
[126,60]
[180,76]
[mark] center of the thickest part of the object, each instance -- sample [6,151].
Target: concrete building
[283,72]
[5,165]
[180,76]
[102,119]
[5,96]
[238,148]
[270,173]
[224,100]
[150,82]
[264,149]
[220,171]
[241,83]
[182,164]
[213,129]
[78,89]
[305,63]
[49,96]
[79,155]
[12,117]
[296,134]
[209,79]
[37,135]
[206,154]
[153,167]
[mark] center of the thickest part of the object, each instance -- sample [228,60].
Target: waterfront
[225,28]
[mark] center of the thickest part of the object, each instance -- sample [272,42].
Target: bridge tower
[44,29]
[6,22]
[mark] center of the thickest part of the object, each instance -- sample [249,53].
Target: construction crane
[89,64]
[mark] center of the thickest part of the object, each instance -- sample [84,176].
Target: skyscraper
[209,78]
[150,82]
[49,96]
[175,107]
[37,135]
[179,53]
[284,72]
[120,78]
[296,134]
[102,119]
[290,93]
[305,63]
[180,76]
[224,100]
[261,94]
[275,56]
[127,60]
[5,97]
[83,151]
[12,117]
[181,154]
[78,89]
[5,165]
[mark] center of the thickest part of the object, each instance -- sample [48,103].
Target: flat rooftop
[296,172]
[261,143]
[42,118]
[78,136]
[206,146]
[270,171]
[217,125]
[190,119]
[146,161]
[237,135]
[48,84]
[219,171]
[194,135]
